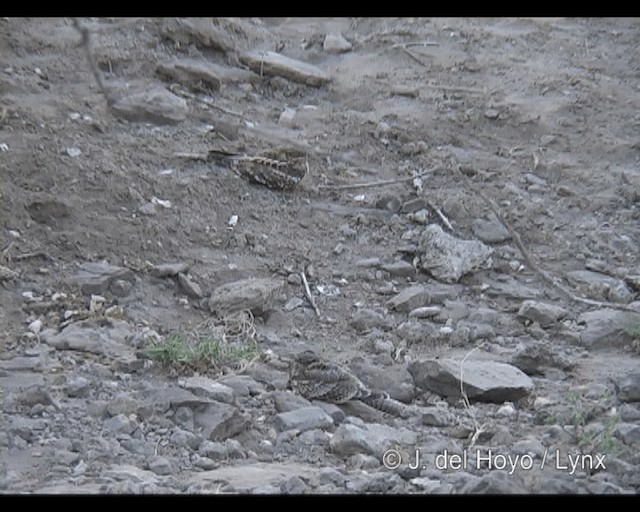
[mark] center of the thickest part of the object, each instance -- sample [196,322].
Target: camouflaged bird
[276,169]
[315,379]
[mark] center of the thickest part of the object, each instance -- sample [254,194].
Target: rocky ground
[468,228]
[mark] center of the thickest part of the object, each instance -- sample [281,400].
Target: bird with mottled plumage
[317,379]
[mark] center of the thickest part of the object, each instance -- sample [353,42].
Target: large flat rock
[246,477]
[272,63]
[448,258]
[483,381]
[608,328]
[157,106]
[255,295]
[95,277]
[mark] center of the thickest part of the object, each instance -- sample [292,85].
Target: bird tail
[382,402]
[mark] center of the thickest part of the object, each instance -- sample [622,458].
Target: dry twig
[378,183]
[477,429]
[29,255]
[86,44]
[529,259]
[444,219]
[308,293]
[454,88]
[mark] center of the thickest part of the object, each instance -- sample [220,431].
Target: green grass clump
[209,349]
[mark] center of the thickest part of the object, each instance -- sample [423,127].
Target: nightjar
[278,168]
[317,379]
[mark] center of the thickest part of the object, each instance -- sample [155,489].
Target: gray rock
[25,428]
[184,417]
[208,388]
[599,286]
[287,118]
[379,346]
[120,287]
[119,424]
[32,394]
[234,448]
[160,465]
[286,401]
[534,358]
[96,277]
[633,281]
[266,489]
[629,412]
[331,476]
[269,376]
[219,421]
[502,436]
[363,462]
[417,296]
[336,43]
[157,106]
[159,399]
[256,295]
[426,485]
[367,319]
[193,74]
[242,385]
[148,208]
[373,439]
[466,332]
[608,328]
[108,340]
[185,438]
[293,303]
[122,404]
[508,287]
[24,364]
[531,447]
[414,205]
[168,269]
[203,32]
[272,63]
[425,312]
[417,332]
[137,446]
[490,231]
[306,418]
[545,314]
[245,478]
[628,387]
[400,269]
[436,417]
[603,487]
[336,413]
[484,381]
[494,482]
[294,485]
[294,279]
[368,263]
[350,440]
[629,433]
[377,483]
[189,287]
[394,380]
[77,386]
[448,258]
[98,409]
[410,298]
[214,450]
[204,462]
